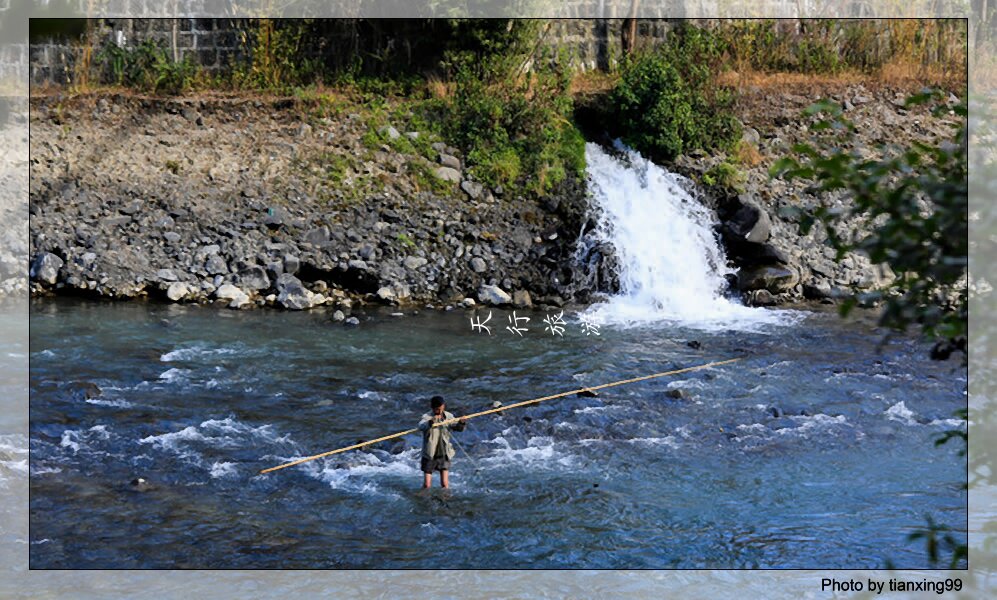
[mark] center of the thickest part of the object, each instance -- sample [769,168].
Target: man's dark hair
[436,401]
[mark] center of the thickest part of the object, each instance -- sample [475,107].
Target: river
[815,450]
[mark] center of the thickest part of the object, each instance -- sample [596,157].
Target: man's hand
[463,419]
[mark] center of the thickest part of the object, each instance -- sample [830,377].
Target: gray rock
[304,130]
[473,189]
[352,322]
[521,299]
[386,294]
[448,174]
[45,268]
[215,265]
[237,298]
[493,295]
[389,131]
[414,262]
[467,302]
[291,264]
[177,291]
[775,279]
[131,208]
[171,237]
[338,316]
[760,298]
[750,135]
[751,222]
[254,278]
[292,294]
[859,99]
[448,160]
[166,275]
[478,265]
[367,252]
[318,236]
[438,146]
[412,135]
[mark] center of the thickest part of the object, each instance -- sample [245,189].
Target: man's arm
[460,425]
[426,422]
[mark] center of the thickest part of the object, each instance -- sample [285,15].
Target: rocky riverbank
[250,202]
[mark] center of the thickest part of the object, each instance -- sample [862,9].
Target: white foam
[668,441]
[197,352]
[539,452]
[222,469]
[900,412]
[590,409]
[672,266]
[369,395]
[111,403]
[174,374]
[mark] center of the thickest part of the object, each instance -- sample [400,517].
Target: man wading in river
[436,447]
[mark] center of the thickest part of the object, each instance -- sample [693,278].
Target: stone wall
[214,43]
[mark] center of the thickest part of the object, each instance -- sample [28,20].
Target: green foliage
[148,67]
[425,178]
[406,241]
[939,540]
[915,205]
[668,102]
[723,175]
[173,166]
[513,125]
[277,60]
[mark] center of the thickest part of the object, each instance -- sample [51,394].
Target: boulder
[521,299]
[292,294]
[177,291]
[493,295]
[750,223]
[390,132]
[473,189]
[215,265]
[237,298]
[414,262]
[45,268]
[775,279]
[254,278]
[478,265]
[448,160]
[448,174]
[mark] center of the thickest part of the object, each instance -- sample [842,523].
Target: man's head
[436,402]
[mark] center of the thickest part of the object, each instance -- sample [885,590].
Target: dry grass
[439,89]
[592,82]
[746,154]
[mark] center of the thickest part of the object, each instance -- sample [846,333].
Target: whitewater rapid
[672,267]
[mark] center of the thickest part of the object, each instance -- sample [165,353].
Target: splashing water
[672,267]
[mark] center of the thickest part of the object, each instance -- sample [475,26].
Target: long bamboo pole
[497,410]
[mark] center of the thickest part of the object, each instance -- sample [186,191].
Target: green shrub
[513,124]
[724,175]
[148,67]
[667,101]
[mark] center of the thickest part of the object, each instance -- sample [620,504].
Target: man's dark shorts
[435,464]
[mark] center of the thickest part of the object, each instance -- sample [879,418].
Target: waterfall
[671,265]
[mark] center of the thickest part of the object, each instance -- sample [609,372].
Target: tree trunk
[629,34]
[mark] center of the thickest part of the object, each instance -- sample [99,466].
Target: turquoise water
[814,451]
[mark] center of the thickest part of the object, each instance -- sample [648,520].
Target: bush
[147,67]
[513,124]
[668,102]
